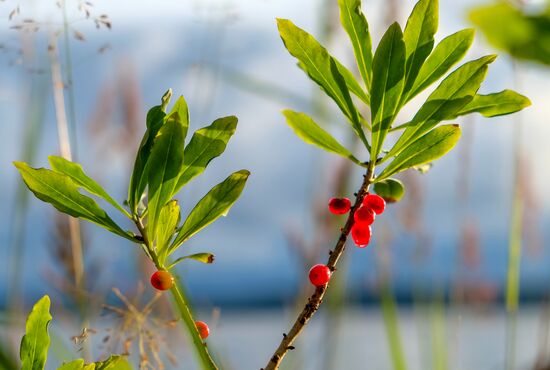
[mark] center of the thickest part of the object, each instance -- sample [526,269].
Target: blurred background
[434,290]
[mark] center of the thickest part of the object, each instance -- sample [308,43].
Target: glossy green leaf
[180,112]
[387,85]
[206,144]
[357,28]
[36,341]
[61,192]
[214,204]
[200,257]
[115,362]
[310,132]
[351,83]
[445,55]
[427,148]
[79,177]
[523,34]
[138,181]
[75,365]
[454,92]
[419,39]
[166,161]
[321,68]
[392,190]
[496,104]
[168,222]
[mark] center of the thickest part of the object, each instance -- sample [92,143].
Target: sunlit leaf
[321,68]
[168,222]
[61,192]
[76,173]
[419,38]
[357,28]
[454,92]
[387,85]
[165,165]
[310,132]
[445,55]
[206,144]
[214,204]
[524,35]
[427,148]
[36,341]
[496,104]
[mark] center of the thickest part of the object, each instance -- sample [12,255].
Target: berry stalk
[315,300]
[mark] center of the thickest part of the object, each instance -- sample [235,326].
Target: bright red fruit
[204,330]
[339,206]
[319,275]
[361,234]
[364,215]
[375,202]
[162,280]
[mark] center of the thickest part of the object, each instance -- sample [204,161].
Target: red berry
[364,215]
[204,330]
[319,275]
[375,202]
[361,234]
[339,206]
[162,280]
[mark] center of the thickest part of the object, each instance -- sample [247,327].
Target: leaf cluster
[164,165]
[405,63]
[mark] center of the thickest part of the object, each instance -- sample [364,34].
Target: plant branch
[206,360]
[315,300]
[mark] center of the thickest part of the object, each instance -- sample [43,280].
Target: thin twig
[315,300]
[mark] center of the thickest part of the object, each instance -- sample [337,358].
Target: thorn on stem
[290,347]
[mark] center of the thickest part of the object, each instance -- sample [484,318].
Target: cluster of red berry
[361,230]
[163,280]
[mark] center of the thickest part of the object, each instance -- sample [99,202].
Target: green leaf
[427,148]
[454,92]
[445,55]
[321,68]
[387,85]
[310,132]
[74,365]
[180,112]
[61,192]
[115,362]
[357,28]
[496,104]
[168,222]
[419,38]
[76,173]
[165,165]
[522,34]
[214,204]
[392,190]
[36,341]
[200,257]
[138,181]
[206,144]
